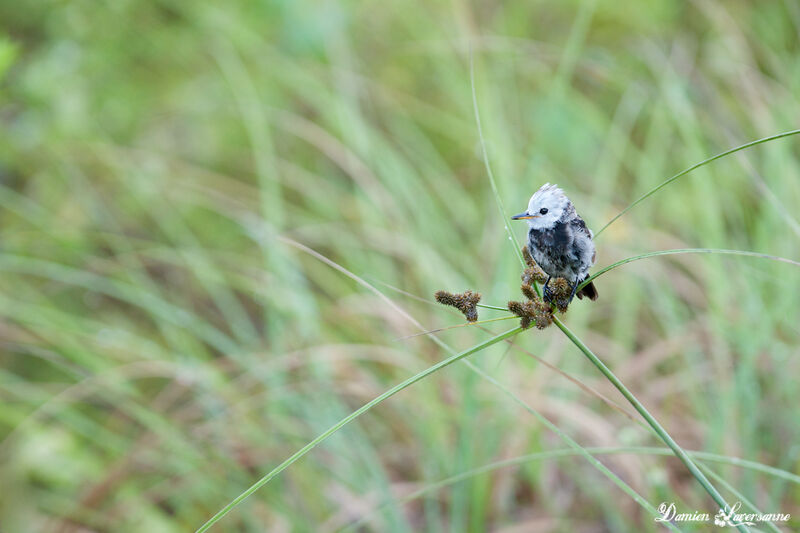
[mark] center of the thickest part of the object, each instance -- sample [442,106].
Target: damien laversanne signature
[730,517]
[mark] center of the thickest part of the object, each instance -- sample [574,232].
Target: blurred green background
[169,171]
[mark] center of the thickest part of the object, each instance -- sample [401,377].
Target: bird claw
[574,288]
[547,294]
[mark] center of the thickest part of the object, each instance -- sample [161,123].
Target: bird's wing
[578,225]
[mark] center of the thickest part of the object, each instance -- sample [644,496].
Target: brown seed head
[561,291]
[526,255]
[542,314]
[528,292]
[466,302]
[531,312]
[534,273]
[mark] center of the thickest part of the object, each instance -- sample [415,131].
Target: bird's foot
[557,293]
[548,294]
[572,294]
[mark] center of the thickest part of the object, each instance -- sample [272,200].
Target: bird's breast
[552,250]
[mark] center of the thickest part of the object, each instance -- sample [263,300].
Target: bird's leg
[574,288]
[547,295]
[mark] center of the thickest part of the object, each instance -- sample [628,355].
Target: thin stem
[686,251]
[349,418]
[691,168]
[742,498]
[498,200]
[464,325]
[568,452]
[627,489]
[660,431]
[497,308]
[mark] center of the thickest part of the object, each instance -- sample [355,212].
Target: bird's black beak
[522,216]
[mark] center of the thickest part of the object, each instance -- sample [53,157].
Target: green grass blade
[691,168]
[651,421]
[742,498]
[349,418]
[575,446]
[503,215]
[686,251]
[495,307]
[568,452]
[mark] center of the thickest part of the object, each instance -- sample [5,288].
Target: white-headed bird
[559,240]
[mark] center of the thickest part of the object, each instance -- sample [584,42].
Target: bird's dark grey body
[564,251]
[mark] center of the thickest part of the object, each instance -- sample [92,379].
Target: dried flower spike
[533,272]
[532,312]
[526,255]
[466,302]
[528,292]
[524,311]
[560,291]
[543,314]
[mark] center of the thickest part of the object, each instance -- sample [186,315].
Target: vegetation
[222,226]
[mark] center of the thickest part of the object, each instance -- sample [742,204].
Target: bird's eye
[543,211]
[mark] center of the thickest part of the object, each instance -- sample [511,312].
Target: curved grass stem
[457,326]
[691,168]
[627,489]
[568,452]
[685,251]
[497,198]
[651,421]
[349,418]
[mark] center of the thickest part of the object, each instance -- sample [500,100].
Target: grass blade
[456,326]
[627,489]
[349,418]
[686,251]
[503,216]
[742,498]
[691,168]
[568,452]
[651,421]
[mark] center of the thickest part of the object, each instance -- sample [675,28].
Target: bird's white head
[545,208]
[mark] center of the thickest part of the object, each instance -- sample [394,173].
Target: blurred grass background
[164,344]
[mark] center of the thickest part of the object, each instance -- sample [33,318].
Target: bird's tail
[588,291]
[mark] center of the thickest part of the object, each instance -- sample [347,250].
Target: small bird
[559,240]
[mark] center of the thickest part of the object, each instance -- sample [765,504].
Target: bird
[559,240]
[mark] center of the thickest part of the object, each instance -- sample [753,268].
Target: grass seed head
[532,312]
[542,314]
[561,291]
[466,302]
[523,311]
[526,255]
[532,274]
[528,292]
